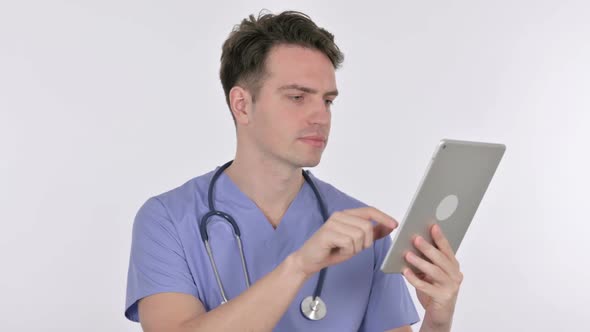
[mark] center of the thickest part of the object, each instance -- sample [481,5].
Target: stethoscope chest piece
[313,309]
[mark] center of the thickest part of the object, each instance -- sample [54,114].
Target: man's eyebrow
[306,89]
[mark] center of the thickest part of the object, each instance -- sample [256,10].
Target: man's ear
[240,102]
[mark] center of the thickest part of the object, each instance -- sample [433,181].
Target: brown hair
[245,51]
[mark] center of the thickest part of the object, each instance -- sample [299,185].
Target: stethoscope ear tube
[205,222]
[219,284]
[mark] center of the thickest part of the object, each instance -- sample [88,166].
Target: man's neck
[271,185]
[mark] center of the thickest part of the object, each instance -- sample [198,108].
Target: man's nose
[320,113]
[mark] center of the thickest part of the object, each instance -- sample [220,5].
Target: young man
[278,73]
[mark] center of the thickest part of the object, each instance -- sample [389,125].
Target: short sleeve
[390,304]
[157,262]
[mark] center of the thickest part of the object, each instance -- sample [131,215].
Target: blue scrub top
[168,255]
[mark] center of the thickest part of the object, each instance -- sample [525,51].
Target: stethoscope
[312,307]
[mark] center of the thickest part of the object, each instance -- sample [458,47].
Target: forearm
[257,309]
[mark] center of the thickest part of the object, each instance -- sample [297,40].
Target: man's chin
[311,162]
[304,159]
[309,165]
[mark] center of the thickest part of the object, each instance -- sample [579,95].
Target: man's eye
[296,98]
[329,102]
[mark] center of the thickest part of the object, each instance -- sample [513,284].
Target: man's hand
[342,236]
[438,285]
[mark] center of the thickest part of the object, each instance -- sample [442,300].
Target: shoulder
[335,198]
[182,199]
[195,187]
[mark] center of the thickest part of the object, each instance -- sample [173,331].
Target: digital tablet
[449,194]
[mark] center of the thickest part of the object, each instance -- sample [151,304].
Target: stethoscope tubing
[312,307]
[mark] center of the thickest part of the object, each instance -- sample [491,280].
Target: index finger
[371,213]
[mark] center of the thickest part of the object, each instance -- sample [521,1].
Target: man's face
[290,119]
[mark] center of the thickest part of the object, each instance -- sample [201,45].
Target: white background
[106,103]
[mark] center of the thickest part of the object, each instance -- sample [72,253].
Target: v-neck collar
[227,192]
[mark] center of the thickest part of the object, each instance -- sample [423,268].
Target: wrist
[428,325]
[295,266]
